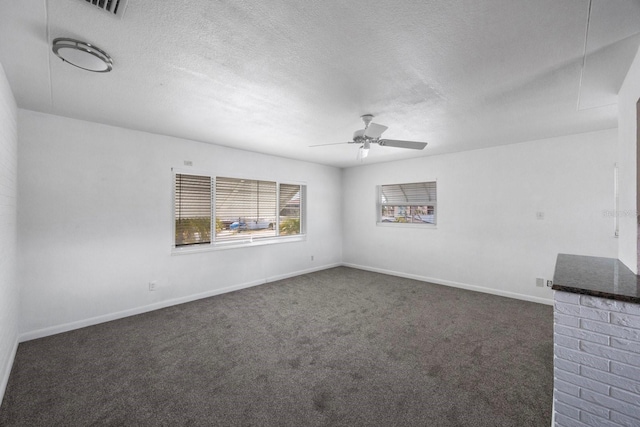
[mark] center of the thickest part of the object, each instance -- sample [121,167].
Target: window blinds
[192,209]
[245,200]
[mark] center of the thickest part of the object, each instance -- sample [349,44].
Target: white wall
[95,223]
[488,237]
[9,290]
[627,125]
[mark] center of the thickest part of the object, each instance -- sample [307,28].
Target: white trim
[52,330]
[299,273]
[4,380]
[616,201]
[547,301]
[416,225]
[235,244]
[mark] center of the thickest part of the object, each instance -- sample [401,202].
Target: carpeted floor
[339,347]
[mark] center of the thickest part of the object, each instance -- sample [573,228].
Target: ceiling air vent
[113,7]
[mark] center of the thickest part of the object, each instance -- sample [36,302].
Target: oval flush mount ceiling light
[82,55]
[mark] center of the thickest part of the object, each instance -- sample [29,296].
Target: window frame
[421,225]
[250,239]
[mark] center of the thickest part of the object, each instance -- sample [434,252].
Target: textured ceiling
[278,76]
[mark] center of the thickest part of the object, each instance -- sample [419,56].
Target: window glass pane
[413,203]
[388,213]
[192,209]
[403,213]
[290,209]
[423,214]
[245,207]
[410,194]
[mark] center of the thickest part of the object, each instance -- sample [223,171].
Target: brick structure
[596,361]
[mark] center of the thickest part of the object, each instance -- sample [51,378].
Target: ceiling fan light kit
[371,134]
[364,150]
[82,55]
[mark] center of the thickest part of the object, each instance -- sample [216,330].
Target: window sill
[220,246]
[407,225]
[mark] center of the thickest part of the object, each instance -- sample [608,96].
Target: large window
[413,203]
[241,210]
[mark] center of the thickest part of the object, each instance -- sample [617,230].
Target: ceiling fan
[371,135]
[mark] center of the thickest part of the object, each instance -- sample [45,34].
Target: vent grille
[113,7]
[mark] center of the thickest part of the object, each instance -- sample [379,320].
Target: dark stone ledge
[599,277]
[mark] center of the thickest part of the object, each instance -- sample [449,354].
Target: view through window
[412,203]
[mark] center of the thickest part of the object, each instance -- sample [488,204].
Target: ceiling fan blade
[374,130]
[331,143]
[414,145]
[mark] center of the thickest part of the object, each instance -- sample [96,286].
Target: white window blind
[192,209]
[413,203]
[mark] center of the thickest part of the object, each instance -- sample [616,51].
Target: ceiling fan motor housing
[366,118]
[358,136]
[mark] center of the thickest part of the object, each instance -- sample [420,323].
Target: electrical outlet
[540,282]
[152,286]
[549,283]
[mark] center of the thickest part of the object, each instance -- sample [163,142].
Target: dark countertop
[600,277]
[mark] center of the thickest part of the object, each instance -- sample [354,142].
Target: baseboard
[4,379]
[57,329]
[306,271]
[547,301]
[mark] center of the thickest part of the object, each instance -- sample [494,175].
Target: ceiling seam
[48,38]
[584,55]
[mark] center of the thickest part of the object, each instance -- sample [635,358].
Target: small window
[192,210]
[412,203]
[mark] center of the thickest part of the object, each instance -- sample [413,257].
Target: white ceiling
[277,76]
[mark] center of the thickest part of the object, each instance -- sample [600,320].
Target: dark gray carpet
[340,347]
